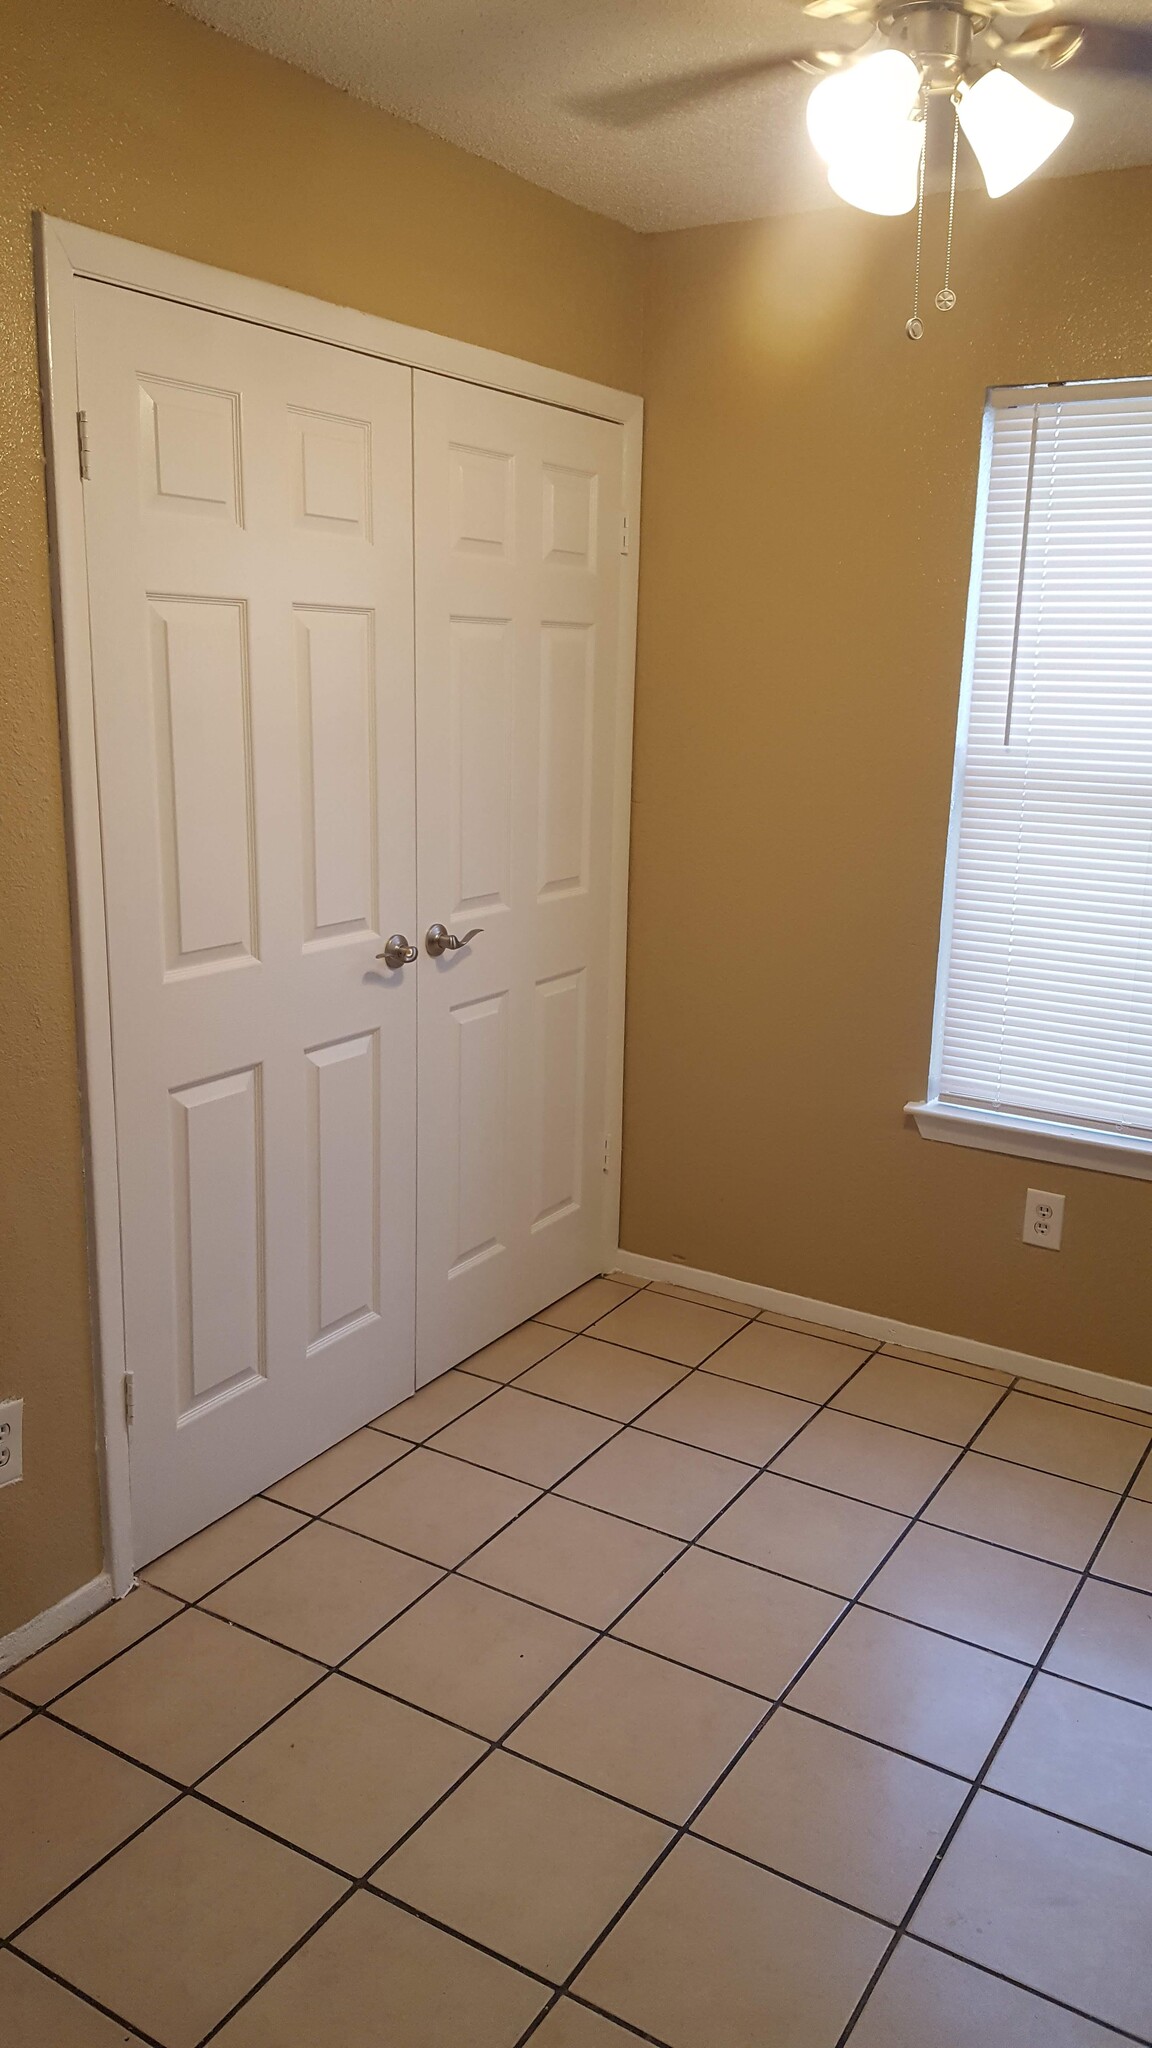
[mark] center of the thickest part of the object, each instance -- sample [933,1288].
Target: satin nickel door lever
[438,939]
[398,953]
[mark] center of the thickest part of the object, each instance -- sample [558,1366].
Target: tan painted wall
[809,490]
[125,115]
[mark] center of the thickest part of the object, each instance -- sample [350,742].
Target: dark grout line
[86,1998]
[981,1776]
[1018,1984]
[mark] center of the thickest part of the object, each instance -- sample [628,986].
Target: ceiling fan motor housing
[937,36]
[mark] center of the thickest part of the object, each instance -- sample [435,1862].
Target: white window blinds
[1044,1007]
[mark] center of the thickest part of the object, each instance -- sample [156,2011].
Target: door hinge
[82,443]
[129,1398]
[624,534]
[607,1166]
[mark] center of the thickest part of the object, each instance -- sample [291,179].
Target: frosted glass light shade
[881,177]
[863,104]
[1011,129]
[860,122]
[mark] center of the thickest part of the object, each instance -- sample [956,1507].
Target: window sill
[987,1130]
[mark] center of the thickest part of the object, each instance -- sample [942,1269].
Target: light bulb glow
[861,122]
[881,179]
[1011,129]
[863,104]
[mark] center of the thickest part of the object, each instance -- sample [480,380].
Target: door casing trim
[66,253]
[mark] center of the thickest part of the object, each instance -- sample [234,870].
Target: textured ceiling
[502,79]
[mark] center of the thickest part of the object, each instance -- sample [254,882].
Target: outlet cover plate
[1043,1219]
[11,1442]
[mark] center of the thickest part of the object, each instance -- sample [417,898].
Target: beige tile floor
[668,1673]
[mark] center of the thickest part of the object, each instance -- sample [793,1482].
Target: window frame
[976,1126]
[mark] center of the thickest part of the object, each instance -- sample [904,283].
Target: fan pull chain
[946,297]
[914,328]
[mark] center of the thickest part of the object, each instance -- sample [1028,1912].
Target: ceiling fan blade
[1019,7]
[1111,46]
[628,106]
[839,10]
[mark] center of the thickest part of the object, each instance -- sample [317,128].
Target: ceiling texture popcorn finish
[509,81]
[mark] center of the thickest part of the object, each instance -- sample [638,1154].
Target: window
[1043,1032]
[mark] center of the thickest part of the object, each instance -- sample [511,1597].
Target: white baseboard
[1100,1386]
[55,1621]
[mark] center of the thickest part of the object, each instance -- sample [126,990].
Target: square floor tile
[823,1538]
[787,1361]
[640,1728]
[587,1304]
[476,1656]
[928,2000]
[887,1467]
[728,1417]
[375,1977]
[923,1693]
[603,1378]
[344,1773]
[326,1479]
[697,1294]
[1072,1442]
[435,1507]
[1107,1642]
[1056,1519]
[683,1331]
[525,1437]
[39,2013]
[668,1486]
[942,1404]
[324,1592]
[717,1954]
[1083,1755]
[1126,1556]
[569,2025]
[574,1560]
[995,1598]
[195,1567]
[180,1923]
[513,1353]
[731,1621]
[62,1664]
[65,1804]
[434,1406]
[836,1812]
[1059,1909]
[991,1373]
[12,1712]
[525,1863]
[184,1697]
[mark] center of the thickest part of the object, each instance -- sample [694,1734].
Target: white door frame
[64,253]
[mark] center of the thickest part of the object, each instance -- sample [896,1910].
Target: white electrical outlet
[1043,1219]
[11,1442]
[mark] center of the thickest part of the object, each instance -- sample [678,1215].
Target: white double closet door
[354,652]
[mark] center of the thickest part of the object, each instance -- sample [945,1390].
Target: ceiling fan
[868,116]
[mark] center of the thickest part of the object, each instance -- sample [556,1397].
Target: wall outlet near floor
[11,1442]
[1043,1219]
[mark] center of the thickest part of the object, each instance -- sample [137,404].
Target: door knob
[439,939]
[398,953]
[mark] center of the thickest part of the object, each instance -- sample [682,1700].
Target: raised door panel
[342,1187]
[337,681]
[218,1202]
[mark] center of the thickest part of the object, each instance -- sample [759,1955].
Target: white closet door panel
[249,534]
[517,574]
